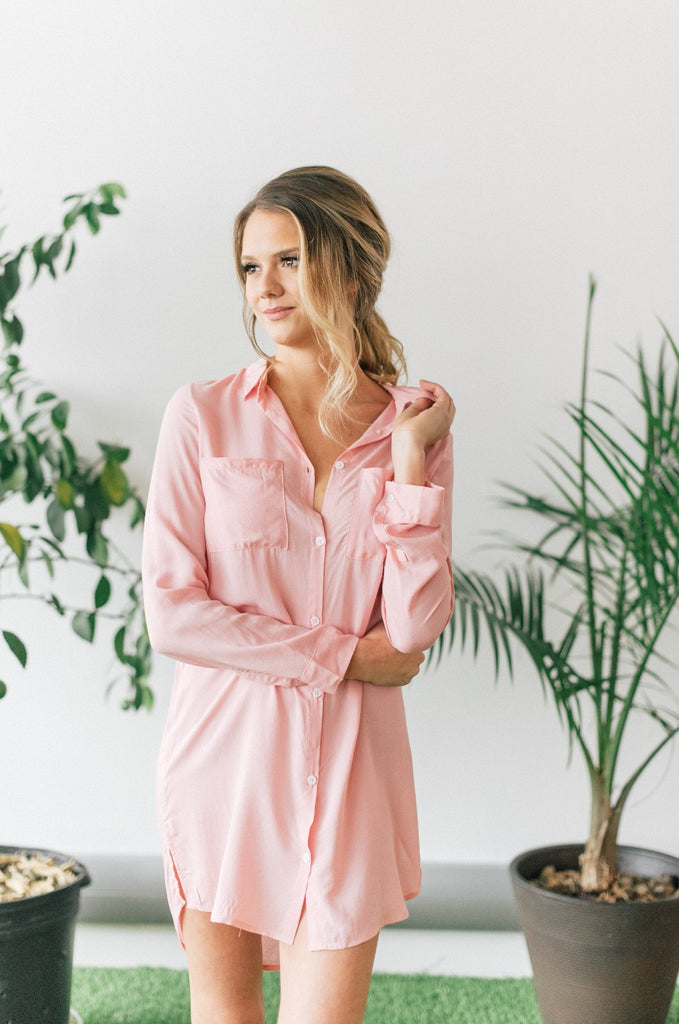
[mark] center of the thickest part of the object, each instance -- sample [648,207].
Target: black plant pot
[36,951]
[599,963]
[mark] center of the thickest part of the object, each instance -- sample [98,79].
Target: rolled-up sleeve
[414,525]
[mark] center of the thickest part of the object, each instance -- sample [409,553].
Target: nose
[269,283]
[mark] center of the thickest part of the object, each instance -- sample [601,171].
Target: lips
[277,312]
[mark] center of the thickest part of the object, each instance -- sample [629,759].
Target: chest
[323,452]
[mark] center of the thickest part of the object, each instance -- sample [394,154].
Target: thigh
[324,986]
[225,971]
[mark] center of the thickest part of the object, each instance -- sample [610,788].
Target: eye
[248,268]
[290,261]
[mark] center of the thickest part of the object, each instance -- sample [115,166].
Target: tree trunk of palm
[599,862]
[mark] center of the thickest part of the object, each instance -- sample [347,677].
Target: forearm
[408,458]
[185,624]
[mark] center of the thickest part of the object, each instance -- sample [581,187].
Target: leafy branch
[73,497]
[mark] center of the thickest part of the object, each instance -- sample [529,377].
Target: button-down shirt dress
[282,785]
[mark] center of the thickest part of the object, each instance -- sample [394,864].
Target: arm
[413,521]
[377,661]
[184,622]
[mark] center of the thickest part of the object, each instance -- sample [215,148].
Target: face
[270,261]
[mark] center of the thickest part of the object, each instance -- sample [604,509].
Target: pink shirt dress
[281,784]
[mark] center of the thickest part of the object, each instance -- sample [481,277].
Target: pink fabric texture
[280,783]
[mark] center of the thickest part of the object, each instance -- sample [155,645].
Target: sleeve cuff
[405,506]
[327,666]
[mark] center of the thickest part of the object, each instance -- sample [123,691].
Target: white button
[316,693]
[320,541]
[311,779]
[390,498]
[339,464]
[314,620]
[307,858]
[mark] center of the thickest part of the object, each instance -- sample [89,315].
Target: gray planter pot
[598,963]
[36,951]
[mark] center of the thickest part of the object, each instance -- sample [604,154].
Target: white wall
[513,148]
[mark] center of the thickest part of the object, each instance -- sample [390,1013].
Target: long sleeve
[414,524]
[184,620]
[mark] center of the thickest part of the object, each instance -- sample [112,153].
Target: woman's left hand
[421,424]
[429,419]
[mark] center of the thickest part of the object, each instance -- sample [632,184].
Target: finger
[413,409]
[440,396]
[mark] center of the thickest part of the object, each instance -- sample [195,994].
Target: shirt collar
[255,377]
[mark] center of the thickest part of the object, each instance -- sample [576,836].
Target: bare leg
[326,986]
[225,971]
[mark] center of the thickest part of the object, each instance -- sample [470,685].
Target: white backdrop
[513,147]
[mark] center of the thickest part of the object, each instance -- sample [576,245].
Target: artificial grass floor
[147,995]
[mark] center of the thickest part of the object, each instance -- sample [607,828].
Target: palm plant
[593,603]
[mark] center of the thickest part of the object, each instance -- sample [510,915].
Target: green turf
[146,995]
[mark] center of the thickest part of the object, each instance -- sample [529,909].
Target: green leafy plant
[594,600]
[72,498]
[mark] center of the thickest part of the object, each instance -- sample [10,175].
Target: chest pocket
[361,539]
[244,504]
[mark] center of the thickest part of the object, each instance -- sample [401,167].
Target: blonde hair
[344,248]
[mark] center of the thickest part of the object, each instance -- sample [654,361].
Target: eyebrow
[294,251]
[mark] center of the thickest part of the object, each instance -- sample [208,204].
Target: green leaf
[114,482]
[97,500]
[138,512]
[108,209]
[11,536]
[119,644]
[59,415]
[83,624]
[16,646]
[34,448]
[56,604]
[71,257]
[111,189]
[29,420]
[49,563]
[83,518]
[45,396]
[97,548]
[13,330]
[72,215]
[102,592]
[70,457]
[38,254]
[92,217]
[53,252]
[65,493]
[11,279]
[3,689]
[56,519]
[114,452]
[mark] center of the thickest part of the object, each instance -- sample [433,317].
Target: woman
[296,565]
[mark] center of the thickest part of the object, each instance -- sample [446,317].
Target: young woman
[296,565]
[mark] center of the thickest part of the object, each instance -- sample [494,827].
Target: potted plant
[592,605]
[70,499]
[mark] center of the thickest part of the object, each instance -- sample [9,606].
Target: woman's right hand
[376,661]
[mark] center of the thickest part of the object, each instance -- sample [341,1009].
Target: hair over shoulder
[344,248]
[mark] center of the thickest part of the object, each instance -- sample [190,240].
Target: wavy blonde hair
[344,248]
